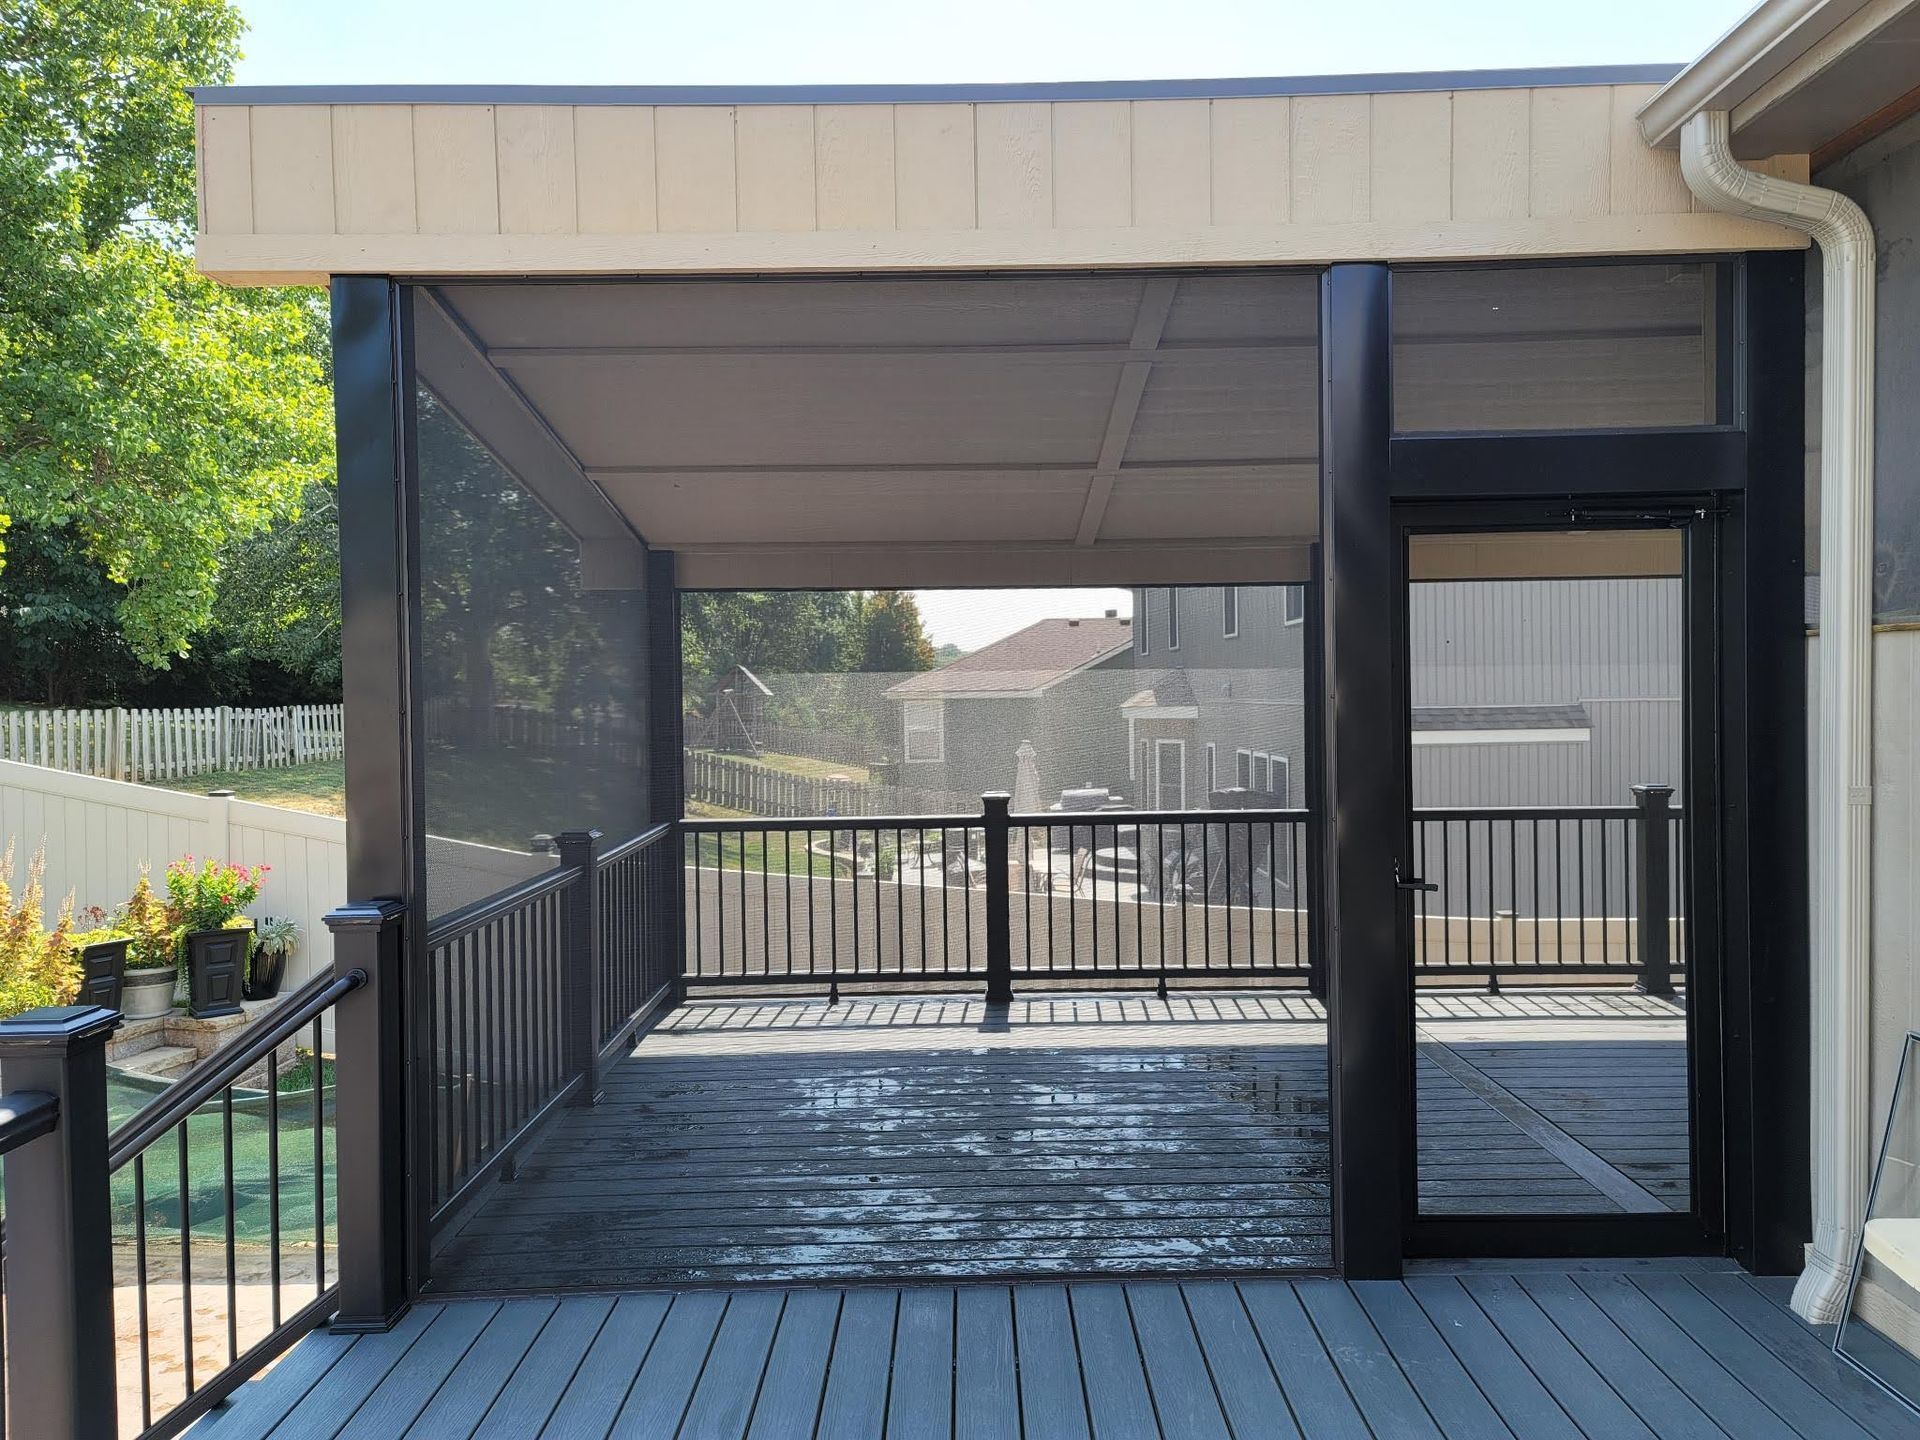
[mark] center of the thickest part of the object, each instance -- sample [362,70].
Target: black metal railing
[897,899]
[527,995]
[1576,890]
[638,932]
[1160,895]
[496,1033]
[926,900]
[230,1184]
[202,1227]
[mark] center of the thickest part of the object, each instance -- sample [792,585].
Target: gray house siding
[1247,688]
[1611,646]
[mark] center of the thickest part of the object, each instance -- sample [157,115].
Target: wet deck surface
[1639,1352]
[925,1139]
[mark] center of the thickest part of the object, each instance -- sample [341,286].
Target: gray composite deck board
[1479,1356]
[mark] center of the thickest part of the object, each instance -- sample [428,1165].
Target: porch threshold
[1653,1348]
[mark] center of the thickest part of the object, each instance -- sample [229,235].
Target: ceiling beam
[1211,351]
[992,467]
[1149,324]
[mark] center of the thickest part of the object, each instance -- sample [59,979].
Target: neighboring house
[1223,704]
[1055,685]
[1525,692]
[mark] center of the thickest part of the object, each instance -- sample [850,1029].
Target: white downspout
[1842,736]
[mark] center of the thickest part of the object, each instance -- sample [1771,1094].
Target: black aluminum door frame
[1702,1228]
[1750,462]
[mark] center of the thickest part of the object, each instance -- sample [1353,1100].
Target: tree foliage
[157,417]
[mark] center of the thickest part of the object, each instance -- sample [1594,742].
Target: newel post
[59,1358]
[579,851]
[1651,871]
[370,1116]
[993,816]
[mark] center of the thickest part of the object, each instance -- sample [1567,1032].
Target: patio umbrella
[1026,780]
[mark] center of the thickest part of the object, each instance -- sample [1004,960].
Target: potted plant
[36,964]
[152,971]
[215,941]
[274,937]
[102,953]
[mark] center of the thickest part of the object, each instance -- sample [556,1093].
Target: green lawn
[803,765]
[320,786]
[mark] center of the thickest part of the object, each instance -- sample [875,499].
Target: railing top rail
[217,1071]
[702,825]
[462,922]
[1532,812]
[27,1115]
[1079,818]
[636,842]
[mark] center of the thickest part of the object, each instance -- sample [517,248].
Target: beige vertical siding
[293,192]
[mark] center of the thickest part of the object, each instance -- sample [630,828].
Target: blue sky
[771,42]
[931,41]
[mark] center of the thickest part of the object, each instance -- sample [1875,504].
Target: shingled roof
[1029,660]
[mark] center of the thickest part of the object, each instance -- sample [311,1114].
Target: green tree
[159,418]
[891,634]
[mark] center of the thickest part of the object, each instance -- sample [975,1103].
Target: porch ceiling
[1011,429]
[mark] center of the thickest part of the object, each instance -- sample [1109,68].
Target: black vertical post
[371,1157]
[993,818]
[1364,821]
[666,745]
[381,1221]
[60,1265]
[581,965]
[1653,889]
[1762,807]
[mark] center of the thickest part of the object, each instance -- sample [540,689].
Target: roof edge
[1762,43]
[1202,89]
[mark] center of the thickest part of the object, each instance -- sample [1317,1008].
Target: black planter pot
[216,971]
[265,973]
[103,971]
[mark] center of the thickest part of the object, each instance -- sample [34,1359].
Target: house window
[1230,611]
[1243,769]
[1280,779]
[1143,622]
[926,722]
[1170,774]
[1213,773]
[1173,619]
[1293,604]
[1260,772]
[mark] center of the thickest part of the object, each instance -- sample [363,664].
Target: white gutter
[1842,796]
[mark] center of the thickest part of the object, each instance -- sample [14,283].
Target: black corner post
[1763,827]
[369,1043]
[59,1357]
[579,851]
[994,806]
[382,1219]
[1652,857]
[1370,1001]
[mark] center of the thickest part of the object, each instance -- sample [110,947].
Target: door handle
[1410,882]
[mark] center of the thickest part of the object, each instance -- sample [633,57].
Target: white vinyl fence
[170,744]
[98,833]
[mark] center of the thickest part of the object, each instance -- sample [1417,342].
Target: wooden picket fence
[147,745]
[754,789]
